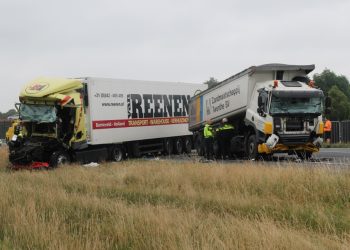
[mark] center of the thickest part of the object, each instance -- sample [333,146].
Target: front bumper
[279,144]
[281,148]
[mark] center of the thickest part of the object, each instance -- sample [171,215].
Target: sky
[166,40]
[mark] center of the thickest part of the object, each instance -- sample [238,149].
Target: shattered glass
[38,113]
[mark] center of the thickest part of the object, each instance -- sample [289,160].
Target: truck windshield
[296,105]
[37,113]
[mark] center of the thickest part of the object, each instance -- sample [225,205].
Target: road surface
[339,157]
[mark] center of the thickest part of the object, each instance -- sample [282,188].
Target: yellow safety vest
[226,126]
[328,126]
[208,131]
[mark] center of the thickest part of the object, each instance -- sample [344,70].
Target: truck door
[262,109]
[71,125]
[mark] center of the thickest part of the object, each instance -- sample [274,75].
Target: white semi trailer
[273,107]
[94,119]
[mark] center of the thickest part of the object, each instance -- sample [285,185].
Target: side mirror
[18,106]
[260,101]
[328,102]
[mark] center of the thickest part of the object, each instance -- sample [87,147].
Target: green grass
[171,205]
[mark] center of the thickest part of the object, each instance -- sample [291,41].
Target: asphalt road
[332,156]
[339,157]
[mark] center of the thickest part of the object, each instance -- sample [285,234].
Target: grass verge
[168,205]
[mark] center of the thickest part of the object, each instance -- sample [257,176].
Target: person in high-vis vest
[224,135]
[208,140]
[327,131]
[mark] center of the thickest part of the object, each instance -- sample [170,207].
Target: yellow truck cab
[52,116]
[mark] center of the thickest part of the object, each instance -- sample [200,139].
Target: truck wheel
[179,148]
[135,149]
[117,153]
[199,146]
[266,157]
[252,147]
[168,146]
[304,155]
[188,145]
[59,158]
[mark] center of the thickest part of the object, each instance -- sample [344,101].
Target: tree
[340,109]
[211,82]
[327,79]
[3,116]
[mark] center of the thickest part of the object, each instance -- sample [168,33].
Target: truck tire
[304,155]
[188,145]
[266,157]
[59,158]
[252,147]
[168,146]
[199,146]
[179,147]
[117,153]
[135,149]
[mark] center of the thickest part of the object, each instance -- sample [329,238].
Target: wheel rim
[179,146]
[188,145]
[251,148]
[61,160]
[117,154]
[168,147]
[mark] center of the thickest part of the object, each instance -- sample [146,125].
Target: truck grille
[294,139]
[294,124]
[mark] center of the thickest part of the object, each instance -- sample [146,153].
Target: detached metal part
[272,141]
[318,141]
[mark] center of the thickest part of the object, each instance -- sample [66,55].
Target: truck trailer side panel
[130,110]
[226,99]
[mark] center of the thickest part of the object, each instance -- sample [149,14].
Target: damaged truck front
[275,108]
[52,122]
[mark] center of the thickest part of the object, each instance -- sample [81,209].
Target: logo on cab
[36,88]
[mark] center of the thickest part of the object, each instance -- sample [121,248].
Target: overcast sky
[178,40]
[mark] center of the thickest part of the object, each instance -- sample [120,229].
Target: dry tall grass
[167,205]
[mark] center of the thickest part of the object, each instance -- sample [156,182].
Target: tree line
[337,87]
[4,116]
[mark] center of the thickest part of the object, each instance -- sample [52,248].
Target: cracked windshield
[296,105]
[38,113]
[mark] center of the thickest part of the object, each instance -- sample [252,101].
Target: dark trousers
[224,144]
[224,139]
[208,143]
